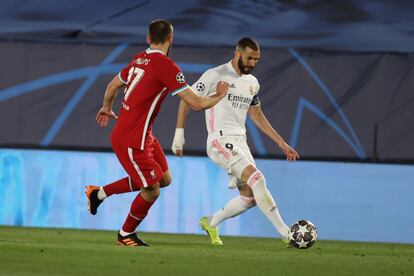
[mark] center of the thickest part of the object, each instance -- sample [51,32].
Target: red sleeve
[123,75]
[172,77]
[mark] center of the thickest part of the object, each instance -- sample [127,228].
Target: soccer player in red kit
[147,80]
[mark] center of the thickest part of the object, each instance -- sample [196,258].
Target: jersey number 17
[135,74]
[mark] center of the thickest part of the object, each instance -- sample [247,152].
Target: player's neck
[161,47]
[235,67]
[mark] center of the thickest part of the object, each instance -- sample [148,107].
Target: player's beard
[243,68]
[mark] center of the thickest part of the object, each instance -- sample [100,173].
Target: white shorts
[231,153]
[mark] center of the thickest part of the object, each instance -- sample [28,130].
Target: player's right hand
[178,142]
[222,88]
[103,116]
[291,154]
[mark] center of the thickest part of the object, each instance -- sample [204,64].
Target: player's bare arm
[199,103]
[182,114]
[179,140]
[259,119]
[106,112]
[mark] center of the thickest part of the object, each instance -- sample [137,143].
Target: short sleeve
[257,87]
[123,75]
[205,84]
[173,78]
[256,100]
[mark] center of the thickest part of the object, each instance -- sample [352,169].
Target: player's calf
[266,203]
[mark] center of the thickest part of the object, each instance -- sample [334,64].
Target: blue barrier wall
[346,201]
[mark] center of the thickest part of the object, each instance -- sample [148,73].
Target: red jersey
[149,78]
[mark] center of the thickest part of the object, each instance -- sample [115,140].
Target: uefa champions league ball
[303,234]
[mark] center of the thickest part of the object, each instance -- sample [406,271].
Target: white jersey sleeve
[256,100]
[206,84]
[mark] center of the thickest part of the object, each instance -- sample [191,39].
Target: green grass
[39,251]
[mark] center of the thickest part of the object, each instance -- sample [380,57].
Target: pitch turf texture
[39,251]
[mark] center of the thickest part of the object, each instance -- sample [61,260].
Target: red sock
[139,210]
[121,186]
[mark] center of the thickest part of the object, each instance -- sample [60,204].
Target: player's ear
[237,53]
[147,37]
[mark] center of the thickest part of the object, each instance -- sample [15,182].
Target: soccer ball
[303,234]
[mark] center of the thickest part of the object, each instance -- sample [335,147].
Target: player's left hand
[222,88]
[103,116]
[178,142]
[291,154]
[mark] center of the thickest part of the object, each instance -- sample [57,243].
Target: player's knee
[258,184]
[155,193]
[256,179]
[248,202]
[165,181]
[151,193]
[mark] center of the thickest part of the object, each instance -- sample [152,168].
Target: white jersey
[228,117]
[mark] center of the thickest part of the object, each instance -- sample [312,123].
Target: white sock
[266,203]
[233,208]
[101,194]
[123,233]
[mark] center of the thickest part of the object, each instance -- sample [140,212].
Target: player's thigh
[139,165]
[243,169]
[233,154]
[224,152]
[242,164]
[160,158]
[159,155]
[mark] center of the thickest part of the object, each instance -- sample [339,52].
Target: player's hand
[222,88]
[103,116]
[178,142]
[291,154]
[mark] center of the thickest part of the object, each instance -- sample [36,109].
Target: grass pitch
[40,251]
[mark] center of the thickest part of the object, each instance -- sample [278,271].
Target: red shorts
[145,167]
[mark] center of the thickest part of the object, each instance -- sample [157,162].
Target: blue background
[351,25]
[355,111]
[346,201]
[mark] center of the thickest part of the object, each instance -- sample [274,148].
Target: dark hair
[159,31]
[248,42]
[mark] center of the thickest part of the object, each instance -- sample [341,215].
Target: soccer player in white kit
[226,142]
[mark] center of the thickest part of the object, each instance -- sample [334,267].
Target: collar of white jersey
[153,51]
[231,69]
